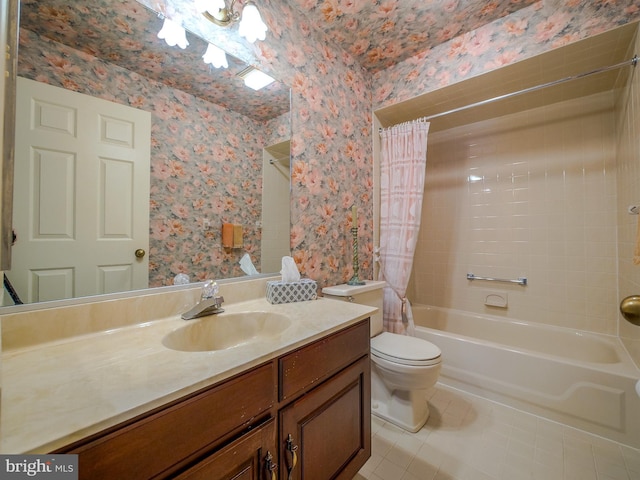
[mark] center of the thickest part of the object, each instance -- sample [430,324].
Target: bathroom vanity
[306,411]
[294,405]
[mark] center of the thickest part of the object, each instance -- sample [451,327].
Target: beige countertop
[57,392]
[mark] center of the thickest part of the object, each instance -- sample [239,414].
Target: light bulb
[215,56]
[173,34]
[251,25]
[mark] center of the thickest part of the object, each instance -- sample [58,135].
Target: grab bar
[519,281]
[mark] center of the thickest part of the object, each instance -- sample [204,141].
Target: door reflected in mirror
[211,141]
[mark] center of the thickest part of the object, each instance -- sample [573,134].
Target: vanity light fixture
[215,57]
[254,78]
[173,34]
[251,25]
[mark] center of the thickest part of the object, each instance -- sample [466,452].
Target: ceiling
[379,33]
[573,60]
[382,33]
[124,32]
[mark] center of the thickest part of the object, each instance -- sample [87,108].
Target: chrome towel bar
[519,281]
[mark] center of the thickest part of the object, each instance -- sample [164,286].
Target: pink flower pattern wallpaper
[337,82]
[334,95]
[331,121]
[380,34]
[543,26]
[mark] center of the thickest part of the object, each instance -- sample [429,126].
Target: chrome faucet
[210,303]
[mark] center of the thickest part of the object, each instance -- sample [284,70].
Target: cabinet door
[326,434]
[244,459]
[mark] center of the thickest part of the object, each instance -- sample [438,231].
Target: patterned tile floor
[470,438]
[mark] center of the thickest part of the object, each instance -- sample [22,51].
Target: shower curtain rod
[632,61]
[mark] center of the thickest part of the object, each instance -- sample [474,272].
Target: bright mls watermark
[50,467]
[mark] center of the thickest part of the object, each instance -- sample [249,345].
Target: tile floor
[470,438]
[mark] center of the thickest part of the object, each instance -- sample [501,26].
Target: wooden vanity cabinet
[310,407]
[325,429]
[166,441]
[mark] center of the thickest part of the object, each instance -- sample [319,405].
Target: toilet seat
[405,350]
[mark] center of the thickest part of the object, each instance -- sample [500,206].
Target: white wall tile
[525,195]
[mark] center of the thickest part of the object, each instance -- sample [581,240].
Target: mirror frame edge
[9,15]
[108,297]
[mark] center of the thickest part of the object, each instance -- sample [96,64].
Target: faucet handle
[209,289]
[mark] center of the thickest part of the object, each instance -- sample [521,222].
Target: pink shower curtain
[402,171]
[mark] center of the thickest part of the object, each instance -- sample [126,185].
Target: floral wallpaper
[381,33]
[334,95]
[206,161]
[310,47]
[541,27]
[332,164]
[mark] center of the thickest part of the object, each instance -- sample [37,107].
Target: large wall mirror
[217,157]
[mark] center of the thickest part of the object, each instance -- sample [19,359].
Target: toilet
[403,368]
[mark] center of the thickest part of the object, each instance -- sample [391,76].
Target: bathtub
[584,380]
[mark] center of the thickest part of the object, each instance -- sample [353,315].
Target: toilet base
[408,410]
[410,427]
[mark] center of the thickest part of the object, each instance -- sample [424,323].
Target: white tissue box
[288,292]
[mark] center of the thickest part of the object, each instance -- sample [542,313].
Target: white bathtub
[580,379]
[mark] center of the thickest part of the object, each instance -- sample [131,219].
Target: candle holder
[355,280]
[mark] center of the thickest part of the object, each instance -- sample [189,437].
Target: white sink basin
[226,330]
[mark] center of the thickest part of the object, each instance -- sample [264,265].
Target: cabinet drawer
[158,442]
[313,363]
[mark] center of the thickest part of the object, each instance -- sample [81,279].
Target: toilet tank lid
[345,290]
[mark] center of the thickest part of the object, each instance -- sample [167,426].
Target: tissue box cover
[288,292]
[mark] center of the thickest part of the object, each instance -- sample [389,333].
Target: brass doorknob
[140,253]
[630,309]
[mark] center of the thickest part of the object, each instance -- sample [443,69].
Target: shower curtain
[402,171]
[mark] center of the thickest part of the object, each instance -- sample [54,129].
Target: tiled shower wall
[628,189]
[527,195]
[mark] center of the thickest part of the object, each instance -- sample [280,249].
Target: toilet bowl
[403,368]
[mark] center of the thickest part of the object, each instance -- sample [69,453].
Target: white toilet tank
[370,294]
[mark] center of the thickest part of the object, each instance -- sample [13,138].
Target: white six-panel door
[81,200]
